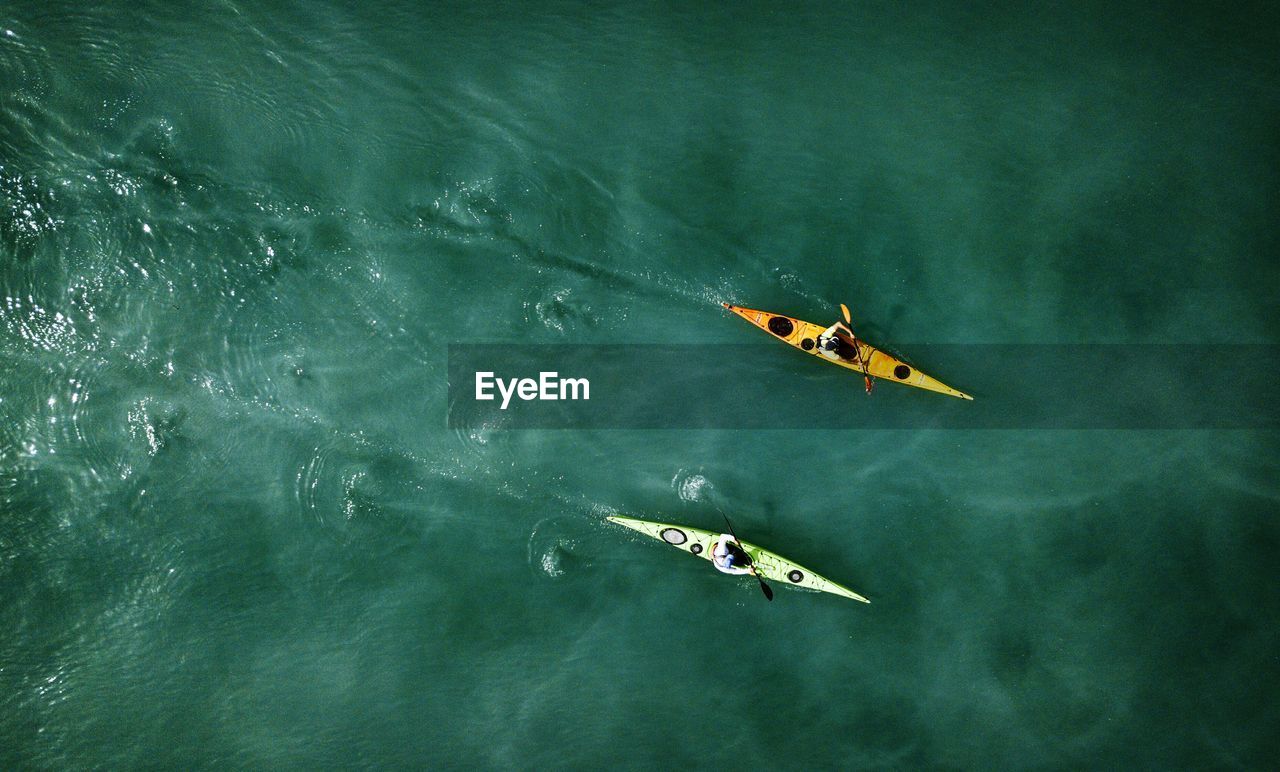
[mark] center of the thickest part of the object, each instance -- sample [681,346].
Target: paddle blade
[768,591]
[845,310]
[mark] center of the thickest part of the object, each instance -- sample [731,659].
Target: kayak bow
[867,359]
[770,565]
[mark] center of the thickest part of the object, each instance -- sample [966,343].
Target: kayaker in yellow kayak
[853,353]
[838,343]
[729,558]
[829,343]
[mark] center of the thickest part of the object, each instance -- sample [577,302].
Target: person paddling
[829,342]
[729,558]
[839,344]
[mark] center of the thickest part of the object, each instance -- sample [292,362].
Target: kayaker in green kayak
[729,558]
[760,562]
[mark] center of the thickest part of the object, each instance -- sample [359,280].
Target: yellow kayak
[855,354]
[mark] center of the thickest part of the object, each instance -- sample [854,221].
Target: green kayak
[769,565]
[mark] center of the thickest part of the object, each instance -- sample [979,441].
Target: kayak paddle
[858,352]
[766,589]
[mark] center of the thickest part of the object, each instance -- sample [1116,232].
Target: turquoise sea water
[237,239]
